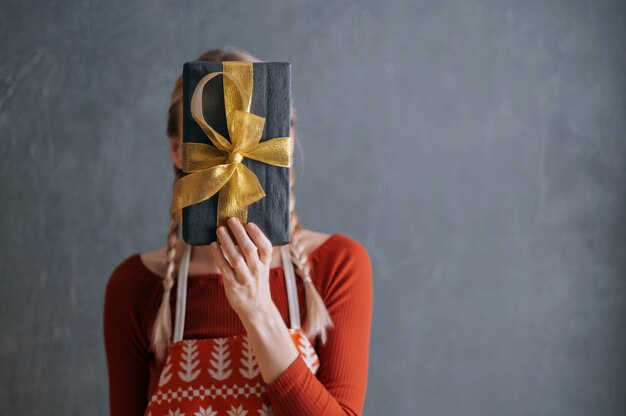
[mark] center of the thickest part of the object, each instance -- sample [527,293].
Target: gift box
[236,159]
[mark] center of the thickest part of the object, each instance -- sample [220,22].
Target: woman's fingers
[248,248]
[261,241]
[231,253]
[222,264]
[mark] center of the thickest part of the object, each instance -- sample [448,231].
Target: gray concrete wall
[476,148]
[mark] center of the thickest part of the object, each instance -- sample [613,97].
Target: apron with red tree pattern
[220,376]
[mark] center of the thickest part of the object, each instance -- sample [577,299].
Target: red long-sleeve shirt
[341,271]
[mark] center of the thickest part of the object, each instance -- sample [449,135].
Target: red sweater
[342,274]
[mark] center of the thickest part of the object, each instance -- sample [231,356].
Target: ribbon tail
[226,208]
[241,190]
[199,186]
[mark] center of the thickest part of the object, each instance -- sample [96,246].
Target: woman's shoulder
[130,279]
[341,267]
[334,249]
[155,261]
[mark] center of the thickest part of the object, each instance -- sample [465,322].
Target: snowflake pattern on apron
[220,376]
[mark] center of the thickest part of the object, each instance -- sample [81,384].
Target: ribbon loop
[219,167]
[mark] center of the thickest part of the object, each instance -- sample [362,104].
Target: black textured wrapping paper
[271,100]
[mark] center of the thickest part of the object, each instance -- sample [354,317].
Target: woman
[237,347]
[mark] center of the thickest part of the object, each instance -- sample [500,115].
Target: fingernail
[251,225]
[221,230]
[232,220]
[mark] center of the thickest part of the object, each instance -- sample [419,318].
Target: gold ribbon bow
[218,168]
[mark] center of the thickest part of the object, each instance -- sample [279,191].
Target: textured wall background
[476,148]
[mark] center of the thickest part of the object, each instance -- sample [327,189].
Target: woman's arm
[341,382]
[345,284]
[126,349]
[345,281]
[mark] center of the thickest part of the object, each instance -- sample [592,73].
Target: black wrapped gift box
[271,100]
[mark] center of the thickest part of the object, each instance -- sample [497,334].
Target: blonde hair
[317,320]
